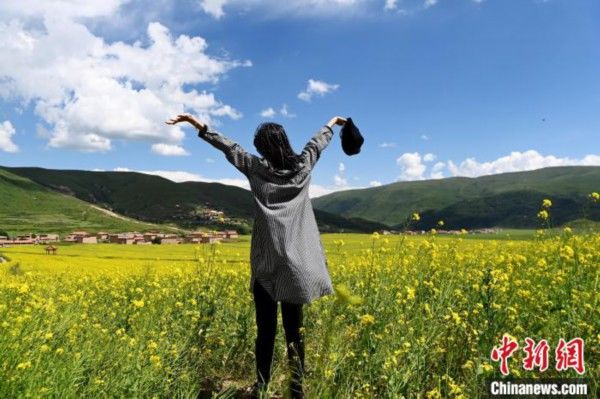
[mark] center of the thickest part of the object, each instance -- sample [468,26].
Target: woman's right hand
[336,120]
[185,118]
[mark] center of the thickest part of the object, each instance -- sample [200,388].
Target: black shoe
[258,391]
[296,390]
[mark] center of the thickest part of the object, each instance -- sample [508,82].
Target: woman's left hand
[186,118]
[336,120]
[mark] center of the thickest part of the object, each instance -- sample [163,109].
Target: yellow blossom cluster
[412,316]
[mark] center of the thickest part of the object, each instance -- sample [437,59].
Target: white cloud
[387,145]
[390,5]
[6,132]
[340,180]
[411,166]
[285,112]
[425,137]
[317,87]
[169,150]
[179,176]
[243,183]
[429,157]
[68,8]
[209,160]
[437,171]
[316,190]
[516,162]
[429,3]
[268,112]
[375,183]
[215,8]
[89,92]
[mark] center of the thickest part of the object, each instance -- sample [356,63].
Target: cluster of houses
[129,238]
[27,239]
[442,232]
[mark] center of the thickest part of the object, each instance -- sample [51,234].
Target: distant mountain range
[141,197]
[26,206]
[59,200]
[503,200]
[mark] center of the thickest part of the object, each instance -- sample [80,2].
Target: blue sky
[438,88]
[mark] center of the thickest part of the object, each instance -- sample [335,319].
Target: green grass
[28,207]
[158,200]
[506,200]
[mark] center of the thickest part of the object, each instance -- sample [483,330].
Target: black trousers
[266,322]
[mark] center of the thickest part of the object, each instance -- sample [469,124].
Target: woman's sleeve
[240,158]
[312,150]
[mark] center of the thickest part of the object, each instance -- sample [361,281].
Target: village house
[25,237]
[47,238]
[86,239]
[210,239]
[211,214]
[219,234]
[22,241]
[123,238]
[76,236]
[195,237]
[153,235]
[102,236]
[230,234]
[170,239]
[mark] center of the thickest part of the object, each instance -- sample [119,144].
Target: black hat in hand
[351,138]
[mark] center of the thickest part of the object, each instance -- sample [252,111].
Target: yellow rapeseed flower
[344,295]
[367,319]
[138,304]
[155,360]
[546,203]
[24,365]
[567,252]
[433,394]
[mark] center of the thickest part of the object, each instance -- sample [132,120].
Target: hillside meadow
[412,316]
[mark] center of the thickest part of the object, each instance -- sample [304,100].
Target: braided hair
[272,143]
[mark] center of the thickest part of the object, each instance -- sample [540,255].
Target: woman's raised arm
[240,158]
[314,147]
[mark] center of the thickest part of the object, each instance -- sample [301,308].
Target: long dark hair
[272,142]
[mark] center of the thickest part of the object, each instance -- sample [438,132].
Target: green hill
[508,200]
[26,206]
[158,200]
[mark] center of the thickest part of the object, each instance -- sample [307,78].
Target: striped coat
[286,253]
